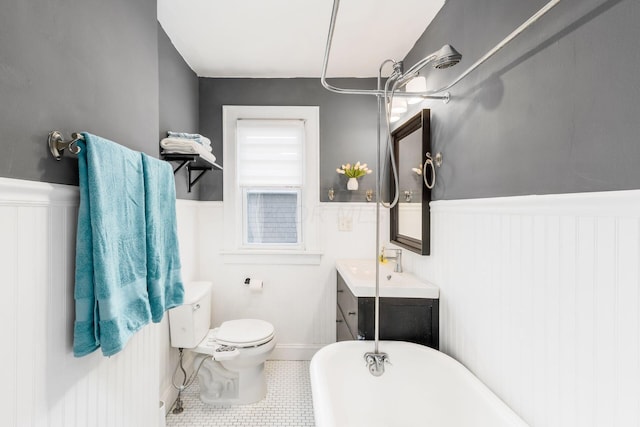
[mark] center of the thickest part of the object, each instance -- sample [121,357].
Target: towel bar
[57,144]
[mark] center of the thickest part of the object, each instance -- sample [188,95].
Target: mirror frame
[421,122]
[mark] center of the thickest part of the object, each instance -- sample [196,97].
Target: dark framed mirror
[410,218]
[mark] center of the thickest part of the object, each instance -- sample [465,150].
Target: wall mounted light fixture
[417,84]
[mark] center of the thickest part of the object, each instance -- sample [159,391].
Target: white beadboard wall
[43,384]
[540,299]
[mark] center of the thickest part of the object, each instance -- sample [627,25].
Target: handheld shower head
[446,57]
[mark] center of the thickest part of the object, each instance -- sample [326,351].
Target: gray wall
[347,124]
[178,100]
[75,66]
[557,111]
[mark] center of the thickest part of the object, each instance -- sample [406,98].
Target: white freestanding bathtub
[421,387]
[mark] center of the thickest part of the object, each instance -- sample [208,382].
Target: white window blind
[270,153]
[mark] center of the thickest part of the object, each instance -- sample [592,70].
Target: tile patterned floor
[288,403]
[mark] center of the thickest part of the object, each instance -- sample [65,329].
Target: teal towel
[111,266]
[164,282]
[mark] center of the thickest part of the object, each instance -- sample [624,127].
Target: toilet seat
[243,333]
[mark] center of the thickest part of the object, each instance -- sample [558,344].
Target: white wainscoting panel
[43,384]
[540,299]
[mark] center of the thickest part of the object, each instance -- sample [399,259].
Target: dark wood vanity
[401,319]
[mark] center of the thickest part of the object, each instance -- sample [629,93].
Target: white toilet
[235,352]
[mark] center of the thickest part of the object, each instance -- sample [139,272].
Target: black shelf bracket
[189,161]
[180,166]
[202,169]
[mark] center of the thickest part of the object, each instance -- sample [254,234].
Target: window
[271,217]
[271,194]
[270,178]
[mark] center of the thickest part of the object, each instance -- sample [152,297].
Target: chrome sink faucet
[397,259]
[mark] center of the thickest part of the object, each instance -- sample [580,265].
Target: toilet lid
[245,333]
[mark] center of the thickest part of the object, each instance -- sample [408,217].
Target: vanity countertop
[359,275]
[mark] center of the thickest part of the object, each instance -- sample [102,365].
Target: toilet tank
[190,322]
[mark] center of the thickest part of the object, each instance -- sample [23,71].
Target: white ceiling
[287,38]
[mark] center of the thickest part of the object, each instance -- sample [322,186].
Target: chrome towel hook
[433,163]
[57,144]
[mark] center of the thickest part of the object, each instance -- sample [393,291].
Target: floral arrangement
[354,171]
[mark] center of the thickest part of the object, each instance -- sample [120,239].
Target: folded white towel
[186,146]
[203,140]
[182,143]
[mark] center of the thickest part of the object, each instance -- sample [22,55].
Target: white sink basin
[360,276]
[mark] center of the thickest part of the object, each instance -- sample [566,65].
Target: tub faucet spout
[375,362]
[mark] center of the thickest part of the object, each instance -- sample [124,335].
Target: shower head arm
[413,71]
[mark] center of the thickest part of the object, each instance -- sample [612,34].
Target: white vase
[352,184]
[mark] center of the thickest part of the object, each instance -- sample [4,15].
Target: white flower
[358,170]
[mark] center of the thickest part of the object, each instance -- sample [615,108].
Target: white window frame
[235,251]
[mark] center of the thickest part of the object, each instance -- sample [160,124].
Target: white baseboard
[169,396]
[294,351]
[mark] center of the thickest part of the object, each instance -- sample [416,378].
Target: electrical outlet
[345,223]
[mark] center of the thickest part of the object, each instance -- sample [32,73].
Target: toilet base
[222,387]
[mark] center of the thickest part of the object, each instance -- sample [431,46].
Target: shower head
[446,57]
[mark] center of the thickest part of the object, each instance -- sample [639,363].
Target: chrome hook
[57,144]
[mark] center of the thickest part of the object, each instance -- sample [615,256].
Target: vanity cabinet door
[348,304]
[346,300]
[342,330]
[402,319]
[410,319]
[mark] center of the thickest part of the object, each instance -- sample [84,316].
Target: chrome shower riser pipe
[376,318]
